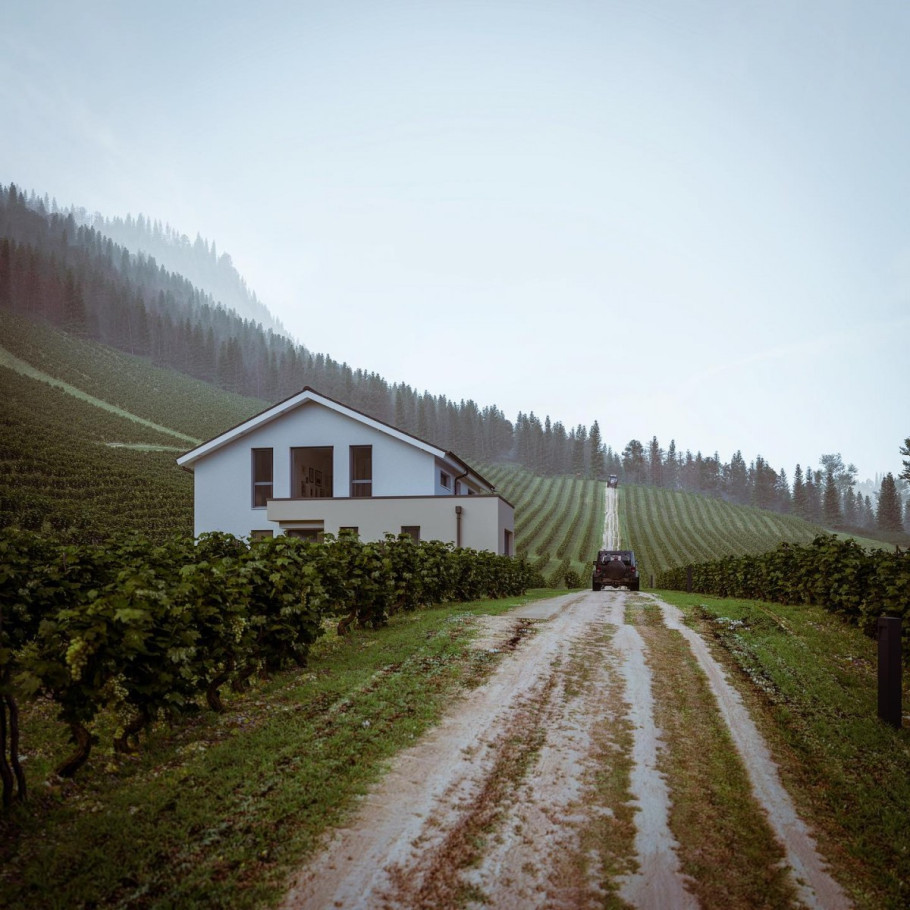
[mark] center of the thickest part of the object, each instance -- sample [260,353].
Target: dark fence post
[889,670]
[652,579]
[688,579]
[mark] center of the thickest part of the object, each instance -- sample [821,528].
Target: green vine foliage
[151,631]
[839,575]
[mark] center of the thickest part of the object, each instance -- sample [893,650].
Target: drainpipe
[455,482]
[458,511]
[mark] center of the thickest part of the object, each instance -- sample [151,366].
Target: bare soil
[496,806]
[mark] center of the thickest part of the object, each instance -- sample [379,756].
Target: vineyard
[146,631]
[161,395]
[670,528]
[855,584]
[559,524]
[77,470]
[72,467]
[83,472]
[558,520]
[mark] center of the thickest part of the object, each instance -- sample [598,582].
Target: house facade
[311,465]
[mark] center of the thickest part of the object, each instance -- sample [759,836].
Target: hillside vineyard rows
[559,522]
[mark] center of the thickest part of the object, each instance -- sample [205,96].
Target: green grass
[217,811]
[162,396]
[810,681]
[717,823]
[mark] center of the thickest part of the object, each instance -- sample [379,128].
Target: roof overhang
[309,395]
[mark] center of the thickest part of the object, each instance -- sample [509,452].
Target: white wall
[223,479]
[483,518]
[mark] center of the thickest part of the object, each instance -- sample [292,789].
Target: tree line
[55,266]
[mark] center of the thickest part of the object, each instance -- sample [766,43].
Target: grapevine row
[839,575]
[149,629]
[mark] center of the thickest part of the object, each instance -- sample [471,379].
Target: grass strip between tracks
[810,684]
[725,843]
[216,811]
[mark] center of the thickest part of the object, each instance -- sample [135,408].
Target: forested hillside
[55,270]
[198,261]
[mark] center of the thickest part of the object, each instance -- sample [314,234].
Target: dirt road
[543,787]
[508,803]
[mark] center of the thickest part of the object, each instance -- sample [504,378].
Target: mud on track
[504,804]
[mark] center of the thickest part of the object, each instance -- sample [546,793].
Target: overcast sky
[688,219]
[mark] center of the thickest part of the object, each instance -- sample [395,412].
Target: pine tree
[905,450]
[782,495]
[655,462]
[633,461]
[800,500]
[6,273]
[831,509]
[813,496]
[888,517]
[738,480]
[671,467]
[74,318]
[597,468]
[850,514]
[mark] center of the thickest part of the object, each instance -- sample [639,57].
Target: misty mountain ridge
[198,261]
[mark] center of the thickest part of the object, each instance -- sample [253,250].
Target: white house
[311,465]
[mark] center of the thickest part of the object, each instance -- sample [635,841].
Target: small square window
[412,531]
[445,480]
[261,534]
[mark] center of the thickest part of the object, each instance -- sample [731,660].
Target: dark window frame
[261,488]
[361,487]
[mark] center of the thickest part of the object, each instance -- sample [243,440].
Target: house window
[312,472]
[261,535]
[507,543]
[262,477]
[305,533]
[351,530]
[361,471]
[445,480]
[412,531]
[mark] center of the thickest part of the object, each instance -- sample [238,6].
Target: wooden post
[889,670]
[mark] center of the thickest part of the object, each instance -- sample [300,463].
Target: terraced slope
[559,523]
[671,528]
[69,466]
[558,520]
[188,406]
[90,435]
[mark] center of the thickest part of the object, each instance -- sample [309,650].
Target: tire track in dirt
[481,808]
[611,520]
[815,886]
[503,804]
[658,882]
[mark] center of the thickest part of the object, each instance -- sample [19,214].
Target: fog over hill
[198,261]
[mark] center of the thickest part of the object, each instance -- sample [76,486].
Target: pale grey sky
[687,219]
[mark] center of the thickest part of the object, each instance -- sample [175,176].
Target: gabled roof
[306,395]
